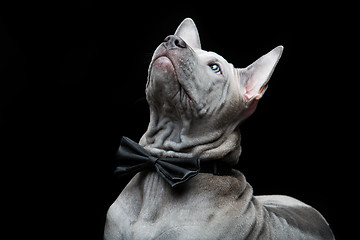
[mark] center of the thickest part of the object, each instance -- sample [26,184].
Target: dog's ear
[189,33]
[255,77]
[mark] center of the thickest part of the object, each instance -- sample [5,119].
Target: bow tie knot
[153,160]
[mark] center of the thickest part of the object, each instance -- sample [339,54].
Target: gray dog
[197,101]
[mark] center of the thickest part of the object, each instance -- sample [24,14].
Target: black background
[72,83]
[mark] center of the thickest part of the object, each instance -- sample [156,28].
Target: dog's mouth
[166,66]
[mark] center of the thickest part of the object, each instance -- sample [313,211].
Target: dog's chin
[163,63]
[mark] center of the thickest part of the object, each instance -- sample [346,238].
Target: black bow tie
[133,158]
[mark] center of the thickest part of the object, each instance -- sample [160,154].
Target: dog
[197,101]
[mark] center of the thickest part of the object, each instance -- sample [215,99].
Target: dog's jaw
[170,73]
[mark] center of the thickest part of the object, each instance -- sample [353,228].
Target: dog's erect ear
[189,33]
[255,77]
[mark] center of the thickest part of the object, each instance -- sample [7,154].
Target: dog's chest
[182,213]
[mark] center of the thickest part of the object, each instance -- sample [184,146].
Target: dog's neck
[170,135]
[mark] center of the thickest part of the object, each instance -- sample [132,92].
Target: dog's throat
[184,139]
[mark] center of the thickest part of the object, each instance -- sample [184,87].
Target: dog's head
[197,99]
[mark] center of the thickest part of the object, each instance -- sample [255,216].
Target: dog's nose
[173,41]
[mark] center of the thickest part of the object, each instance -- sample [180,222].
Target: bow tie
[133,158]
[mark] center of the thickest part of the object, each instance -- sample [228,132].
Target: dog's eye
[215,68]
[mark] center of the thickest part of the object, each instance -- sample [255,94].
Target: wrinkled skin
[197,101]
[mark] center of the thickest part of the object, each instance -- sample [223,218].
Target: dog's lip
[165,54]
[162,55]
[152,63]
[151,66]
